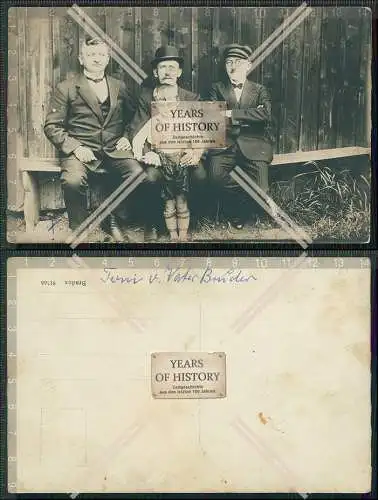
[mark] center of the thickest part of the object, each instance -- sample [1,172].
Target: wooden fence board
[206,51]
[272,71]
[180,29]
[291,80]
[363,127]
[251,31]
[331,77]
[308,138]
[154,33]
[349,54]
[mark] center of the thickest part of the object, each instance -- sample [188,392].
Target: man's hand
[123,144]
[84,154]
[151,158]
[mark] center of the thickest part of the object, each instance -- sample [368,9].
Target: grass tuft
[331,204]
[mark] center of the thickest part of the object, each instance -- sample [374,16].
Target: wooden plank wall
[317,77]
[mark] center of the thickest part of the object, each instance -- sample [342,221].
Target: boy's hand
[151,158]
[123,144]
[84,154]
[191,157]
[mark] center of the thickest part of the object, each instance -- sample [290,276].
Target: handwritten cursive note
[179,275]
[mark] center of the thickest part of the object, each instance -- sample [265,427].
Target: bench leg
[31,200]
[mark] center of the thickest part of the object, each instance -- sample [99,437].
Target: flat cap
[236,50]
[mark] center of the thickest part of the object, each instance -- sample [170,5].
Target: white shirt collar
[94,76]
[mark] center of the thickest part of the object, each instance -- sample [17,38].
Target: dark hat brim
[156,61]
[239,51]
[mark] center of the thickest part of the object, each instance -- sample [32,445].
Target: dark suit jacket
[75,119]
[247,127]
[143,109]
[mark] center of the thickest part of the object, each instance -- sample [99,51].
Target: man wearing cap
[167,69]
[247,134]
[87,123]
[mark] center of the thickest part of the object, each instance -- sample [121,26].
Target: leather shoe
[236,224]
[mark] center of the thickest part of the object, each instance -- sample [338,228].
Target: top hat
[167,53]
[236,50]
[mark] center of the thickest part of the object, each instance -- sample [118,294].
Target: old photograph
[189,124]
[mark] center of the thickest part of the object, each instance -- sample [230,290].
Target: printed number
[339,262]
[155,12]
[105,262]
[260,12]
[156,262]
[365,11]
[52,261]
[11,329]
[12,459]
[12,52]
[12,78]
[101,11]
[51,11]
[11,486]
[12,156]
[183,261]
[312,262]
[262,263]
[207,12]
[364,262]
[208,262]
[131,261]
[337,11]
[11,380]
[11,406]
[12,130]
[235,263]
[12,302]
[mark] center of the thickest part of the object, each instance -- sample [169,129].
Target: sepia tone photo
[189,124]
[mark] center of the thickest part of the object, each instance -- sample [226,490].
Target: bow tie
[96,80]
[237,85]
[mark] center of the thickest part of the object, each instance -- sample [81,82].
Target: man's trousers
[76,178]
[235,202]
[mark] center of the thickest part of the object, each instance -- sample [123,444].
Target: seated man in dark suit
[87,123]
[248,142]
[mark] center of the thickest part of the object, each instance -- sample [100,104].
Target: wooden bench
[31,166]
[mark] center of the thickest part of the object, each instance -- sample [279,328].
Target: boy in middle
[172,164]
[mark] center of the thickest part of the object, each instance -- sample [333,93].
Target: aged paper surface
[296,416]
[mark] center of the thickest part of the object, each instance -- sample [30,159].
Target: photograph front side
[158,125]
